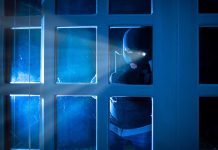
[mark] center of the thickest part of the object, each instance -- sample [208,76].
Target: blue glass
[76,55]
[129,6]
[76,122]
[208,55]
[208,6]
[23,49]
[22,7]
[24,122]
[208,123]
[70,7]
[130,123]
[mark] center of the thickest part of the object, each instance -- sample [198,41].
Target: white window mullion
[49,74]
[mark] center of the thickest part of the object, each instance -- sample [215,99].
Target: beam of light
[66,76]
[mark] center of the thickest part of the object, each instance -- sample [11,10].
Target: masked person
[130,117]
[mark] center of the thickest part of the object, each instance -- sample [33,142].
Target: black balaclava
[137,45]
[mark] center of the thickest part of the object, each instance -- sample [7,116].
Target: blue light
[25,121]
[25,54]
[76,55]
[76,122]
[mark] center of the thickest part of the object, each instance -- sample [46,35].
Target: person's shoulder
[115,77]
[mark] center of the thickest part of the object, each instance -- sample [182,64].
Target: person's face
[133,56]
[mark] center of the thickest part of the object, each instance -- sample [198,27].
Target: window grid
[49,79]
[183,95]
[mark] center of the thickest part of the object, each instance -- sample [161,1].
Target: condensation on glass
[23,121]
[136,50]
[130,6]
[208,55]
[22,55]
[74,7]
[130,123]
[208,123]
[208,6]
[22,7]
[76,55]
[76,122]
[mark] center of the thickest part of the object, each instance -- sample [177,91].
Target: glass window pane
[208,39]
[130,123]
[76,55]
[130,53]
[22,7]
[208,6]
[22,48]
[70,7]
[208,130]
[129,6]
[76,122]
[24,122]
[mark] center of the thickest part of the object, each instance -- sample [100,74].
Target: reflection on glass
[130,123]
[70,7]
[208,6]
[24,122]
[130,6]
[130,55]
[22,48]
[208,46]
[22,7]
[76,122]
[76,55]
[208,123]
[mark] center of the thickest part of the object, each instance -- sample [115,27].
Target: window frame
[175,87]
